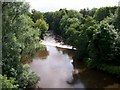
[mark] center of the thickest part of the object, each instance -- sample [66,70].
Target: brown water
[55,66]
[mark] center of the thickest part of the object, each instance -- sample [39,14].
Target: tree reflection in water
[42,54]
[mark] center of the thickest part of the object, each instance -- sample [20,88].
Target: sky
[54,5]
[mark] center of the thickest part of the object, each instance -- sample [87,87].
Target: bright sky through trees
[53,5]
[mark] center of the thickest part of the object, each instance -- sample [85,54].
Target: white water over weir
[51,42]
[57,68]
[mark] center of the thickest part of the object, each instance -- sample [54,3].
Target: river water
[57,69]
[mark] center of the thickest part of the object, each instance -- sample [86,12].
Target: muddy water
[56,66]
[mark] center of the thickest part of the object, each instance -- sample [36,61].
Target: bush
[8,83]
[27,78]
[102,44]
[111,69]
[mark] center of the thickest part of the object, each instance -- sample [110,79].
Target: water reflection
[56,70]
[69,52]
[93,78]
[42,54]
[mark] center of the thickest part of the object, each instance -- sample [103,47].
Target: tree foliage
[94,33]
[20,38]
[8,83]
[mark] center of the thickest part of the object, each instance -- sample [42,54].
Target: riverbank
[111,68]
[57,68]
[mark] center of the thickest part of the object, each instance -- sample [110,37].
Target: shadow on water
[42,54]
[93,78]
[69,52]
[58,69]
[90,78]
[54,70]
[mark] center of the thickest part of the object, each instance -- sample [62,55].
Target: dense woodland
[21,36]
[94,33]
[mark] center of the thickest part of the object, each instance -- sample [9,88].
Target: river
[57,69]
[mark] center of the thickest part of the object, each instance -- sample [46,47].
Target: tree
[85,12]
[92,12]
[117,19]
[42,26]
[8,83]
[103,12]
[19,39]
[35,15]
[102,44]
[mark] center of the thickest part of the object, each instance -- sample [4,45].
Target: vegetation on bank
[94,33]
[20,37]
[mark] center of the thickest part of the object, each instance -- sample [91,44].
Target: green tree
[85,12]
[19,39]
[35,15]
[42,26]
[103,12]
[102,44]
[8,83]
[117,19]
